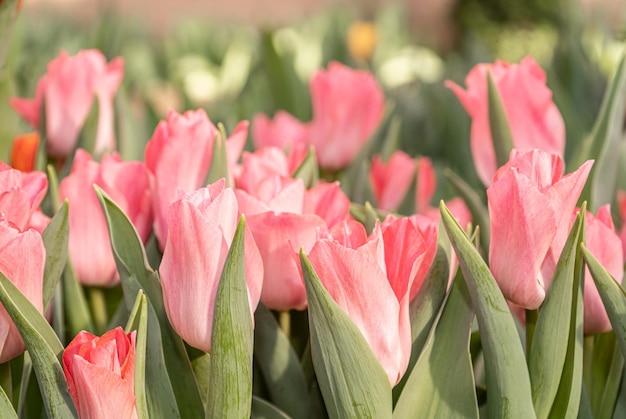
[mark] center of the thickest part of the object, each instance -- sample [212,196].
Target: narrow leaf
[78,314]
[55,239]
[308,170]
[138,321]
[6,408]
[262,409]
[498,124]
[352,381]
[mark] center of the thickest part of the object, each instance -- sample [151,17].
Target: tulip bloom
[391,180]
[529,206]
[201,229]
[284,131]
[621,200]
[100,373]
[604,243]
[89,243]
[351,265]
[24,151]
[68,90]
[20,195]
[534,119]
[179,156]
[22,259]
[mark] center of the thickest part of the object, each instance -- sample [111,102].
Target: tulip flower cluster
[155,288]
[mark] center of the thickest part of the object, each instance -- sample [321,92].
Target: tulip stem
[284,319]
[531,322]
[98,307]
[6,380]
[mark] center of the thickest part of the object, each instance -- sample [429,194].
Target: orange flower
[24,151]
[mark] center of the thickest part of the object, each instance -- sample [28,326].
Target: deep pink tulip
[351,266]
[20,195]
[284,131]
[68,90]
[128,184]
[534,119]
[348,106]
[391,180]
[100,374]
[179,156]
[201,229]
[529,205]
[604,243]
[22,259]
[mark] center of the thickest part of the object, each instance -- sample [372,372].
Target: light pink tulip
[534,119]
[20,195]
[128,184]
[284,131]
[352,266]
[391,180]
[100,373]
[328,201]
[621,200]
[22,259]
[68,90]
[529,205]
[201,229]
[179,156]
[604,243]
[348,106]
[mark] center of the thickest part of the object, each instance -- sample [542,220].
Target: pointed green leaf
[613,297]
[508,384]
[44,348]
[498,124]
[279,365]
[6,408]
[219,163]
[138,321]
[308,170]
[55,239]
[135,273]
[232,339]
[612,383]
[262,409]
[551,345]
[441,384]
[352,381]
[78,315]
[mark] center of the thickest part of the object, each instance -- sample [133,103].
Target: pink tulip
[529,202]
[22,259]
[201,229]
[351,266]
[621,200]
[20,195]
[179,156]
[100,373]
[348,106]
[425,186]
[68,90]
[328,201]
[391,180]
[284,131]
[604,243]
[128,184]
[534,120]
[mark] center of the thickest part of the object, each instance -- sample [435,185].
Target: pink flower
[201,229]
[529,205]
[284,131]
[391,180]
[621,200]
[425,186]
[348,106]
[179,156]
[100,373]
[128,184]
[351,266]
[20,195]
[68,90]
[534,119]
[328,201]
[22,259]
[604,243]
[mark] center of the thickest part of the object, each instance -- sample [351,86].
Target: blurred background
[239,58]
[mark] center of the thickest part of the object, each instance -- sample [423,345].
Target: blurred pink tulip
[348,106]
[89,244]
[529,205]
[604,243]
[20,195]
[351,266]
[284,131]
[534,119]
[621,200]
[425,186]
[68,90]
[100,373]
[22,259]
[201,229]
[391,180]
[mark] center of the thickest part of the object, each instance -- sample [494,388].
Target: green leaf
[611,386]
[613,297]
[232,339]
[508,384]
[138,321]
[78,315]
[279,365]
[262,409]
[498,124]
[551,345]
[219,163]
[135,273]
[8,13]
[352,381]
[6,408]
[308,170]
[441,384]
[55,239]
[44,348]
